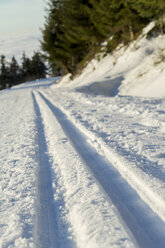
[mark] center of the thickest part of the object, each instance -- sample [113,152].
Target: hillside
[82,161]
[136,70]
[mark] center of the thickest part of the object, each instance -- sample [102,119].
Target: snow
[18,168]
[136,70]
[83,161]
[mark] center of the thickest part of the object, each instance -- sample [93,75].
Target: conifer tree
[53,28]
[25,68]
[3,73]
[37,67]
[14,72]
[152,9]
[75,29]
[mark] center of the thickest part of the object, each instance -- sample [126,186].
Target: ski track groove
[45,209]
[49,222]
[146,227]
[81,194]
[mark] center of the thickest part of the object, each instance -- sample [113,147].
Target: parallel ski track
[147,228]
[48,222]
[45,233]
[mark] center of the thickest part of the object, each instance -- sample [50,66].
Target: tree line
[11,73]
[75,29]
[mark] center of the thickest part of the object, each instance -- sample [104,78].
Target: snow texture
[82,162]
[136,70]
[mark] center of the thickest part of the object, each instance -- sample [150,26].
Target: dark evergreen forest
[75,29]
[11,73]
[74,32]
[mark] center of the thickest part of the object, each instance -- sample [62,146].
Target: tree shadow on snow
[107,87]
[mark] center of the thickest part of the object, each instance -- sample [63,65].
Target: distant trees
[3,73]
[75,29]
[11,73]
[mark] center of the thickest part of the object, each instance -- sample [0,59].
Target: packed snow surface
[80,170]
[83,162]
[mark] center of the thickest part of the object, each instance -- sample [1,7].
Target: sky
[21,16]
[21,22]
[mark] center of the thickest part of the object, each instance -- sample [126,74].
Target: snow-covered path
[87,220]
[80,170]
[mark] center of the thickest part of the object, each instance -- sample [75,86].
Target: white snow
[18,168]
[137,70]
[82,162]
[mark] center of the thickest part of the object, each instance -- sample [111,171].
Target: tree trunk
[131,32]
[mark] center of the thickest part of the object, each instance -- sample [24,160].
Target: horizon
[21,22]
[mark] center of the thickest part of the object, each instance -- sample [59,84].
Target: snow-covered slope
[138,70]
[80,169]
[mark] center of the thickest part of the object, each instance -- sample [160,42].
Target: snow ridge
[83,199]
[45,225]
[126,200]
[80,169]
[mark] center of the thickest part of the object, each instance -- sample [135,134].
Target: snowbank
[137,70]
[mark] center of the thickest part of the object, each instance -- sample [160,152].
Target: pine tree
[37,67]
[152,9]
[25,69]
[75,29]
[53,28]
[69,33]
[4,79]
[14,72]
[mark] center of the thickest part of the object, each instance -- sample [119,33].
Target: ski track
[62,186]
[51,227]
[45,224]
[89,214]
[147,227]
[136,150]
